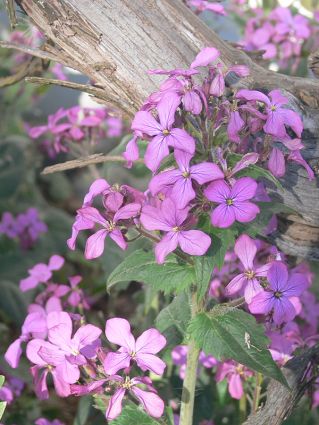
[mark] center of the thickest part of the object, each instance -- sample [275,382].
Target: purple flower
[280,297]
[205,57]
[41,273]
[86,219]
[181,179]
[149,400]
[233,201]
[245,249]
[163,134]
[202,5]
[142,351]
[170,219]
[277,116]
[235,374]
[43,421]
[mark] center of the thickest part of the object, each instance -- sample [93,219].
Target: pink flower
[149,400]
[163,134]
[41,273]
[170,219]
[246,249]
[280,298]
[142,351]
[235,374]
[205,57]
[181,179]
[86,219]
[43,421]
[233,201]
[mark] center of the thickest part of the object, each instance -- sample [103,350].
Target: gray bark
[115,42]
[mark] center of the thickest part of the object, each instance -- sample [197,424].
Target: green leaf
[203,272]
[2,379]
[222,239]
[173,319]
[11,169]
[83,411]
[133,415]
[254,171]
[13,302]
[3,405]
[142,267]
[230,333]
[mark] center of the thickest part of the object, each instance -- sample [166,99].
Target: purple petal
[126,212]
[156,150]
[114,362]
[166,110]
[245,249]
[206,172]
[180,139]
[183,159]
[235,387]
[218,191]
[118,331]
[28,283]
[91,214]
[194,242]
[150,401]
[245,161]
[252,289]
[131,153]
[95,244]
[162,180]
[49,354]
[167,245]
[40,382]
[244,188]
[96,188]
[278,276]
[86,335]
[252,95]
[13,353]
[296,285]
[150,362]
[276,163]
[275,124]
[192,102]
[61,387]
[245,211]
[223,216]
[236,123]
[205,56]
[284,311]
[59,328]
[117,236]
[69,373]
[146,123]
[114,407]
[235,284]
[151,341]
[262,303]
[183,192]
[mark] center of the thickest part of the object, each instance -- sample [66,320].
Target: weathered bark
[280,400]
[115,42]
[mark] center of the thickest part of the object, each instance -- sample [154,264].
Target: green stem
[189,384]
[242,409]
[257,392]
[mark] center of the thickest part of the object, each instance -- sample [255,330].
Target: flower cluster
[68,129]
[281,34]
[26,227]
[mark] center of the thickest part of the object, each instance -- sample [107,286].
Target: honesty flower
[235,374]
[181,179]
[246,249]
[150,401]
[280,298]
[163,134]
[205,57]
[86,219]
[277,116]
[41,273]
[172,220]
[142,351]
[233,201]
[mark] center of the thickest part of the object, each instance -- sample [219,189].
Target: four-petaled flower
[172,220]
[233,201]
[163,134]
[142,351]
[281,297]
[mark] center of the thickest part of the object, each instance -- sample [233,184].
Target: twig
[83,162]
[10,6]
[94,91]
[28,50]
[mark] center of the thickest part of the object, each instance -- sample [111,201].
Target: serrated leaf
[222,239]
[230,333]
[3,405]
[142,267]
[83,411]
[203,271]
[134,415]
[173,319]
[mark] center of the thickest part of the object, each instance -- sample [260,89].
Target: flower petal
[94,246]
[180,139]
[150,362]
[114,362]
[223,216]
[150,401]
[194,242]
[244,188]
[217,191]
[146,123]
[150,341]
[114,407]
[206,172]
[118,331]
[156,150]
[167,245]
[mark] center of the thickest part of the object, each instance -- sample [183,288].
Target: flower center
[111,226]
[166,132]
[278,294]
[229,201]
[250,274]
[133,354]
[186,174]
[273,108]
[175,229]
[127,383]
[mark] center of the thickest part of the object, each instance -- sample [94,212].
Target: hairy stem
[189,384]
[257,392]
